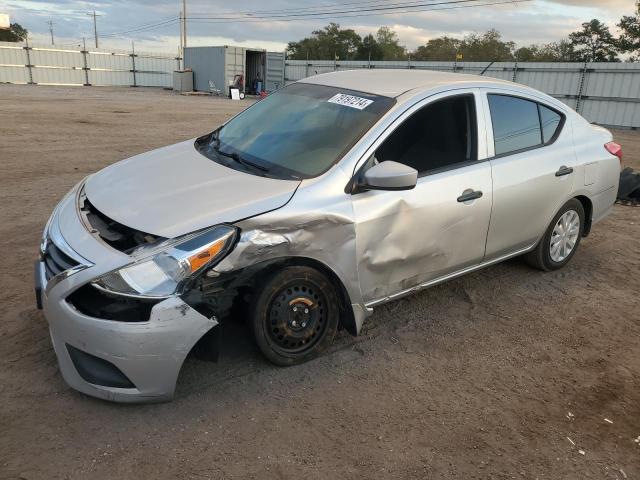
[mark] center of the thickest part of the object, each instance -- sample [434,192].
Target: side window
[516,124]
[439,135]
[550,122]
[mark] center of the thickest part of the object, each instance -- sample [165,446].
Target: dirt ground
[504,373]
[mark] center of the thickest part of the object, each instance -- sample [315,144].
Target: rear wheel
[295,316]
[561,239]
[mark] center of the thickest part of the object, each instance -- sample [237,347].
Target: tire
[548,259]
[295,315]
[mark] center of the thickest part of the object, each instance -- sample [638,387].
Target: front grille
[56,261]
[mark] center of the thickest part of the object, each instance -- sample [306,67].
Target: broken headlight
[164,271]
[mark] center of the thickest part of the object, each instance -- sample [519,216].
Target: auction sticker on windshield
[350,101]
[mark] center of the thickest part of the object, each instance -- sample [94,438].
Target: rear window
[520,124]
[516,125]
[550,122]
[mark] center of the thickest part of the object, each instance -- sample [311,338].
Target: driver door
[405,239]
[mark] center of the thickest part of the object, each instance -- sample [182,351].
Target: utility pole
[95,27]
[184,22]
[50,22]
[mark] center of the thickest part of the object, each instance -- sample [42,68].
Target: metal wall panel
[154,79]
[58,76]
[56,58]
[12,55]
[52,65]
[11,74]
[104,78]
[604,93]
[101,61]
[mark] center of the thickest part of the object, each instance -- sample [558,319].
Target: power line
[416,7]
[143,28]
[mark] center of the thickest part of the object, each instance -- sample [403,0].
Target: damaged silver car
[304,212]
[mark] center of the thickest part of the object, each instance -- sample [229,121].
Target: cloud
[537,21]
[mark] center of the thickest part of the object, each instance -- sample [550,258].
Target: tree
[330,43]
[389,44]
[488,46]
[561,51]
[594,43]
[16,33]
[629,41]
[442,49]
[369,49]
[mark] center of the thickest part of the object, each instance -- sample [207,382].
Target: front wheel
[295,316]
[561,239]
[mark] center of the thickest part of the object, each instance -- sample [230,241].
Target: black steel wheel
[295,316]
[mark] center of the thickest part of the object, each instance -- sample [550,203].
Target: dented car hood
[175,190]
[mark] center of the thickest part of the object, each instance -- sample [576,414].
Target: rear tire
[561,240]
[295,316]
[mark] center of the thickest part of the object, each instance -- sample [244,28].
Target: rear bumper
[113,360]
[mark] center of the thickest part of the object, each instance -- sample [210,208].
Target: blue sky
[532,21]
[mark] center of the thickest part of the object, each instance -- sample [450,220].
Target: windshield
[297,132]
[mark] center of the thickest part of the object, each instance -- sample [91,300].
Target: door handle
[564,171]
[469,195]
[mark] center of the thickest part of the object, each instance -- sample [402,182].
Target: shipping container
[251,70]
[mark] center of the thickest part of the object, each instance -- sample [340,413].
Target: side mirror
[389,175]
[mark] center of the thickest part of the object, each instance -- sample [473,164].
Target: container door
[235,65]
[274,78]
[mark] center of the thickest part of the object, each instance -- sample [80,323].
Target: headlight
[163,272]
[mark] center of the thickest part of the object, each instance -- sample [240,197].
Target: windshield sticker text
[350,101]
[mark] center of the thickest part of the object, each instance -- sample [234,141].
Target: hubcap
[564,236]
[297,317]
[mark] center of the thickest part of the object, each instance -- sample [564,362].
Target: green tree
[561,51]
[528,54]
[485,47]
[330,43]
[594,43]
[629,41]
[16,33]
[369,49]
[442,49]
[389,44]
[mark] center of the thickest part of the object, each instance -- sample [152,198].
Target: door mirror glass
[390,175]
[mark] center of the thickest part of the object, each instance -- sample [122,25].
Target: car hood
[175,190]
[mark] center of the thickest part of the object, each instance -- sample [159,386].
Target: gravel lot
[471,379]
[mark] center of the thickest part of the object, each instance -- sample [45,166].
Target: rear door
[405,239]
[532,170]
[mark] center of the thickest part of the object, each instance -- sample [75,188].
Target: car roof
[395,82]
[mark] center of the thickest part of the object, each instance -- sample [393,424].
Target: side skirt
[444,278]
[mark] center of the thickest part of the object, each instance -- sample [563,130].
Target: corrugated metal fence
[46,65]
[604,93]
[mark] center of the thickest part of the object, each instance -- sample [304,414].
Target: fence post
[86,64]
[583,75]
[133,63]
[515,72]
[27,49]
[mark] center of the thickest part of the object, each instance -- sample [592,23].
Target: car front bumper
[113,360]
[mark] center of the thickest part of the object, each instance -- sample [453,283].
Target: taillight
[614,149]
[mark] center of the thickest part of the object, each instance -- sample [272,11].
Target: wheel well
[588,213]
[347,320]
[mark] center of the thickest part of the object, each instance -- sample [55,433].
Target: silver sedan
[304,212]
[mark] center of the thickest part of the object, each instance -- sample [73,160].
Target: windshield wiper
[240,160]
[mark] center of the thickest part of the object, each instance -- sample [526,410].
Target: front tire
[561,240]
[295,316]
